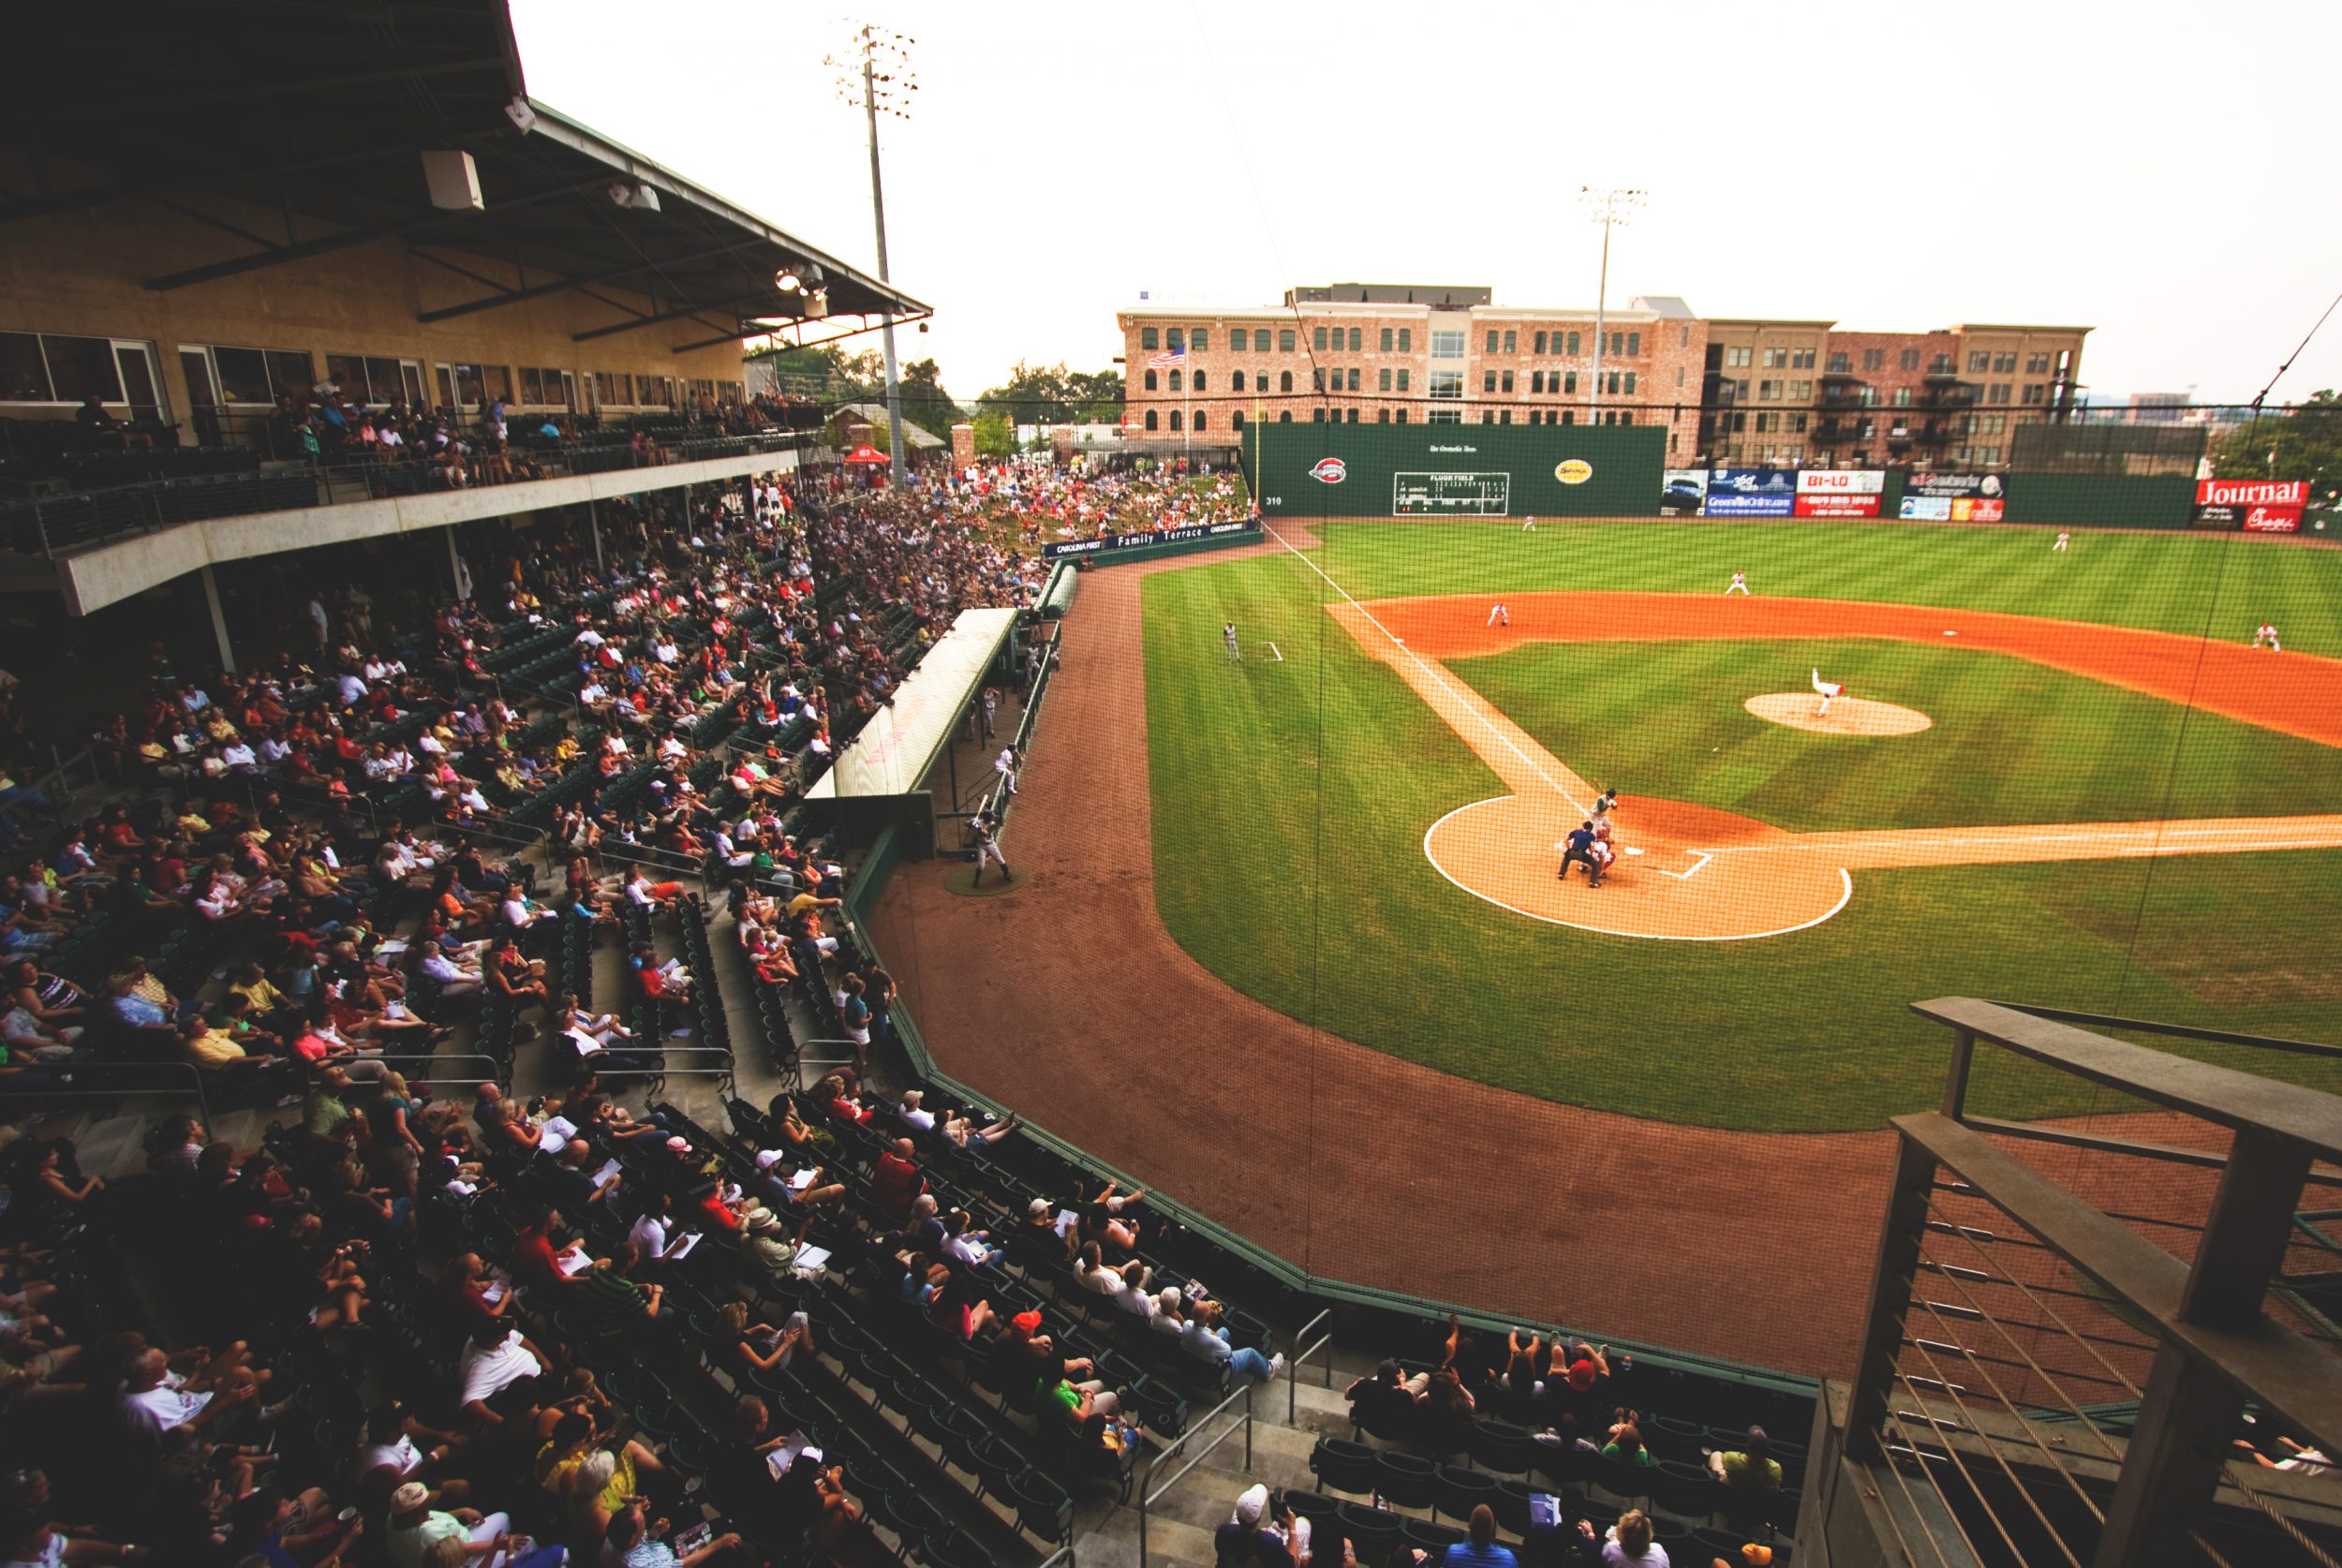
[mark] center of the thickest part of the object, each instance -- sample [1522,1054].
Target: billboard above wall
[1932,497]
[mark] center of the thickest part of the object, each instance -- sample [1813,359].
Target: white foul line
[1273,648]
[1400,643]
[1705,856]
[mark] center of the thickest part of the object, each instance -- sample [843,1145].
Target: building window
[1505,417]
[1573,342]
[1403,383]
[1505,384]
[1487,380]
[1175,419]
[1903,397]
[1569,382]
[1147,337]
[1735,358]
[1537,344]
[1201,340]
[1382,415]
[1317,416]
[1237,385]
[1400,417]
[1406,344]
[1150,380]
[1614,380]
[1492,348]
[1199,418]
[1237,338]
[1775,357]
[1841,364]
[1150,419]
[1386,340]
[1634,346]
[1175,379]
[1536,382]
[1907,360]
[1286,417]
[1383,380]
[1284,380]
[1626,416]
[1512,345]
[1447,345]
[2037,364]
[1569,416]
[2003,364]
[1444,383]
[1236,418]
[1443,416]
[1317,339]
[1200,379]
[1874,358]
[1797,423]
[1174,337]
[1354,379]
[1979,360]
[1630,383]
[1354,416]
[1487,416]
[1317,378]
[1766,390]
[1285,340]
[1801,360]
[1998,393]
[2033,392]
[1358,339]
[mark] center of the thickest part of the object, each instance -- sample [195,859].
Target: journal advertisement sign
[1682,492]
[1929,497]
[1752,493]
[1840,492]
[2255,506]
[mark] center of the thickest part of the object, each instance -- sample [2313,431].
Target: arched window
[1150,380]
[1150,419]
[1200,379]
[1284,380]
[1175,419]
[1199,418]
[1236,419]
[1175,381]
[1238,383]
[1285,418]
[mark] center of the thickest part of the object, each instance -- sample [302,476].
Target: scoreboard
[1450,494]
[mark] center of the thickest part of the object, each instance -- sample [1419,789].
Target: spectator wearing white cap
[415,1526]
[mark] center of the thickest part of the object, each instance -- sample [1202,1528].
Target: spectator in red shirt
[535,1260]
[895,1180]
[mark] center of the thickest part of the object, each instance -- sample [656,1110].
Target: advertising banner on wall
[1929,497]
[1682,492]
[1107,543]
[2255,506]
[1752,493]
[1840,492]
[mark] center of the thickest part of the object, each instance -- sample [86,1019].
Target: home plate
[1952,634]
[1628,850]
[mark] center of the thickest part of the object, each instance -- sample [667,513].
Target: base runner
[1828,690]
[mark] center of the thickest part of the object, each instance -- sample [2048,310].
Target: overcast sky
[2159,172]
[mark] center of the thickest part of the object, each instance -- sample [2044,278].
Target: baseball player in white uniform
[2267,638]
[1498,615]
[2064,542]
[1529,524]
[1227,635]
[987,850]
[1828,690]
[1739,584]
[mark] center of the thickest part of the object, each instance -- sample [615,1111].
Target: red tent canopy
[865,454]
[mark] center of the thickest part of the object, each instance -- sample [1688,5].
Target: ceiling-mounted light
[787,281]
[814,277]
[635,195]
[817,303]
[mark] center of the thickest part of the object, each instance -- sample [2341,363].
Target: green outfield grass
[1291,792]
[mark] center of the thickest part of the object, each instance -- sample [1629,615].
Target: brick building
[1728,390]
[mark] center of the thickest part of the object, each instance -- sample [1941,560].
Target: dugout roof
[323,112]
[897,748]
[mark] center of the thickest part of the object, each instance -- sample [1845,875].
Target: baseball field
[2060,779]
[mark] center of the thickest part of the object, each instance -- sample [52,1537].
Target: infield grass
[1291,796]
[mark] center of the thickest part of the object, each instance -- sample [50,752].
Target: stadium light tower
[1611,206]
[875,72]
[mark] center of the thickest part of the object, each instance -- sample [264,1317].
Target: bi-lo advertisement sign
[2255,506]
[1931,497]
[1840,492]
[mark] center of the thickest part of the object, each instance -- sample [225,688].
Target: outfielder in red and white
[1828,690]
[2267,638]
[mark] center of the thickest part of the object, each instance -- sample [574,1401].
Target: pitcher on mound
[1828,690]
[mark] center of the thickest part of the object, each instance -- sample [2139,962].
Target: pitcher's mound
[1848,715]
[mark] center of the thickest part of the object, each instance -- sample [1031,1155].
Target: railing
[114,1090]
[2004,1302]
[1300,1354]
[1148,1498]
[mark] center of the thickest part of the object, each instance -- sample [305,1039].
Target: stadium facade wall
[1455,470]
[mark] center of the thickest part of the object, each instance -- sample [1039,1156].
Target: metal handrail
[1147,1500]
[1292,1363]
[195,1080]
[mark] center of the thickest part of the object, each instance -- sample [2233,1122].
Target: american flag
[1166,360]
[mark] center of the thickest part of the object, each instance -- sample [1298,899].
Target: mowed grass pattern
[1291,796]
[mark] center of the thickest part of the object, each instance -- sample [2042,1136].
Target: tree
[926,404]
[2301,443]
[996,435]
[1052,394]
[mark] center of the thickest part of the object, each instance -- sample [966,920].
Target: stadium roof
[323,113]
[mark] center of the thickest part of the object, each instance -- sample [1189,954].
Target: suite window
[52,367]
[1147,337]
[1386,340]
[1285,340]
[1447,345]
[1446,383]
[248,376]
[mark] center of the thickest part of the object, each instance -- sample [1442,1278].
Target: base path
[1696,873]
[1072,1002]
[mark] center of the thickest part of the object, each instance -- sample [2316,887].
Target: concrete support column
[456,573]
[593,516]
[219,618]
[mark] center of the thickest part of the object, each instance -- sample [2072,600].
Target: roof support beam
[365,234]
[190,174]
[541,290]
[315,84]
[678,314]
[764,329]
